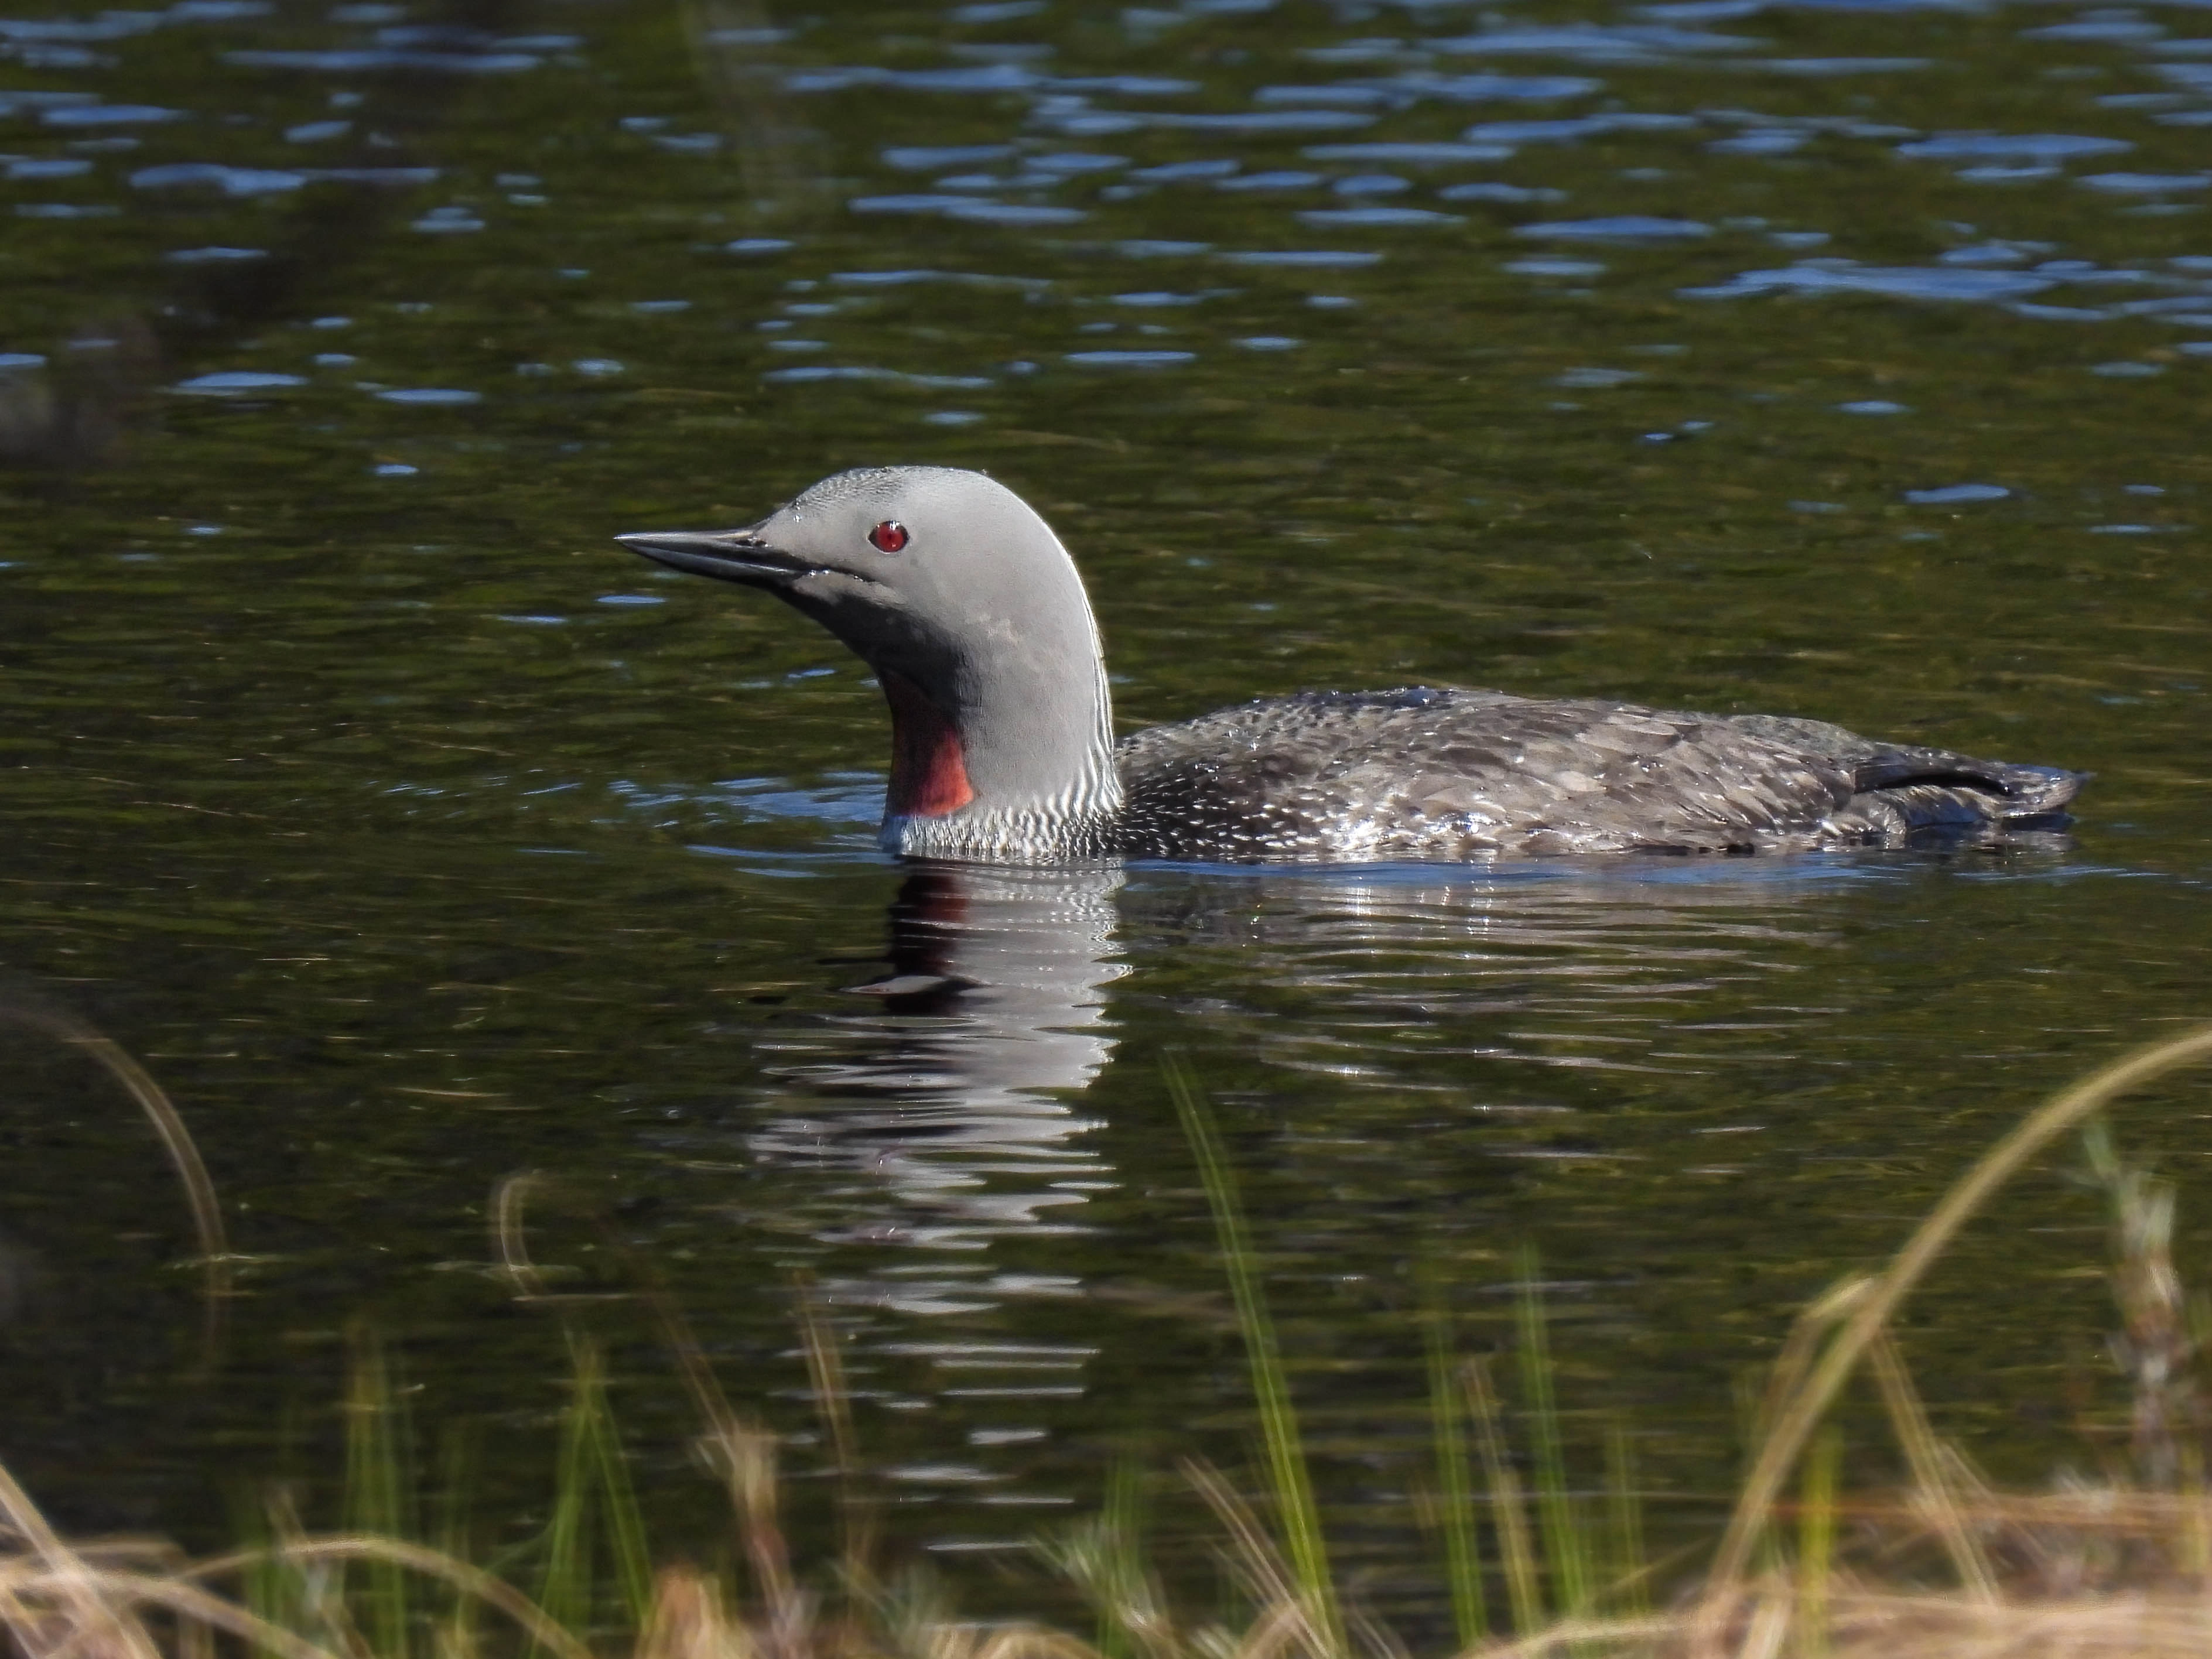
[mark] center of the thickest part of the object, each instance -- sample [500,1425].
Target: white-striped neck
[1019,771]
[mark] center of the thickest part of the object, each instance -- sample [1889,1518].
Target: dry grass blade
[1871,1624]
[68,1578]
[833,1398]
[118,1631]
[493,1591]
[688,1621]
[2104,1509]
[1802,1346]
[1769,1627]
[826,1370]
[1654,1632]
[1260,1565]
[1795,1421]
[742,1454]
[1279,1628]
[184,1155]
[510,1203]
[1374,1637]
[1931,1480]
[1506,1512]
[1101,1557]
[54,1602]
[1268,1578]
[2161,1342]
[1868,1624]
[1031,1642]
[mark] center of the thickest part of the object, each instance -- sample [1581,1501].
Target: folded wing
[1446,774]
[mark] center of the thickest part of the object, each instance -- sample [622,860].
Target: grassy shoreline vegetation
[2121,1563]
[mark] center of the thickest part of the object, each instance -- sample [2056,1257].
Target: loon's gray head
[962,599]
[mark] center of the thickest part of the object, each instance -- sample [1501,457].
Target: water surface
[1842,362]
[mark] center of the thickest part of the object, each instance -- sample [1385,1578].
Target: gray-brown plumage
[1430,774]
[976,622]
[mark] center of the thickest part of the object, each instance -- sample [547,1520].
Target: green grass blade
[1625,1520]
[1104,1558]
[1567,1551]
[625,1521]
[1462,1561]
[1299,1513]
[1521,1591]
[268,1586]
[1122,1535]
[1816,1540]
[377,1493]
[457,1635]
[565,1588]
[450,1532]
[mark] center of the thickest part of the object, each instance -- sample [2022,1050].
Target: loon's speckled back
[1451,775]
[972,615]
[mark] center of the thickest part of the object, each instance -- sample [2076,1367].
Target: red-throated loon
[971,614]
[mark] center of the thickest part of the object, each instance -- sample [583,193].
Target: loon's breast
[1451,775]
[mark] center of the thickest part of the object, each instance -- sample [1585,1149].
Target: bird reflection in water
[946,1095]
[933,1132]
[940,1118]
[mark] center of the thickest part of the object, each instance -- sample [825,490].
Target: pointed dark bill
[729,556]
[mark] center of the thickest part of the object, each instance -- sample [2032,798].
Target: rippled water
[1842,360]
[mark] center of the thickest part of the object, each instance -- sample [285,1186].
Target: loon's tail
[2003,790]
[1899,788]
[1908,797]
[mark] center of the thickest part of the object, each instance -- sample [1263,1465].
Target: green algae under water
[1830,360]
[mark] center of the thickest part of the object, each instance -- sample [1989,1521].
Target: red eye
[887,537]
